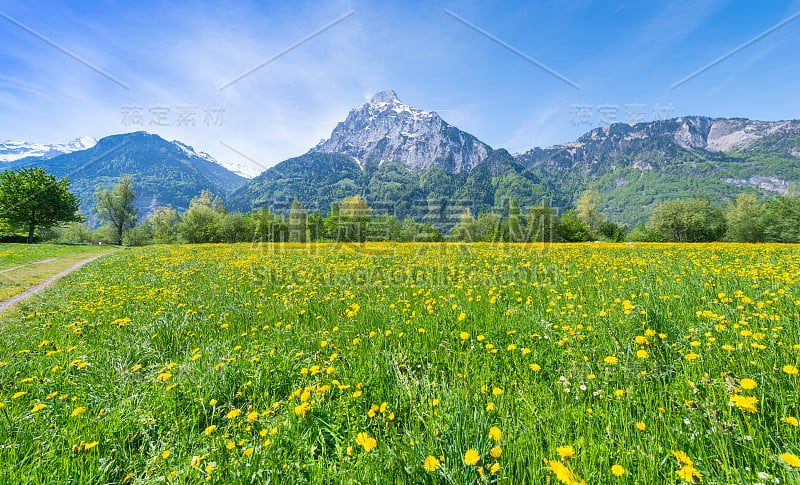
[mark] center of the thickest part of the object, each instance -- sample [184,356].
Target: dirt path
[27,264]
[6,304]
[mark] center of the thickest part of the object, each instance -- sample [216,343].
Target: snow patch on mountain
[242,169]
[15,150]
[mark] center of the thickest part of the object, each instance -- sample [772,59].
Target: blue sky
[625,56]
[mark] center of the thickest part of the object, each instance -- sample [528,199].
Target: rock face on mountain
[712,135]
[721,134]
[384,129]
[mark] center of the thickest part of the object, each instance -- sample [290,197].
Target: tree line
[30,198]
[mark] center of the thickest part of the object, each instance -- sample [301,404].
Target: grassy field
[409,363]
[24,265]
[12,255]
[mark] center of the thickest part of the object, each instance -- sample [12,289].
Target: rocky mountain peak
[388,96]
[385,129]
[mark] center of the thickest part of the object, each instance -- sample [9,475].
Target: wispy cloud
[180,54]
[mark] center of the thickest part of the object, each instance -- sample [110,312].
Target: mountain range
[165,173]
[400,156]
[387,151]
[11,151]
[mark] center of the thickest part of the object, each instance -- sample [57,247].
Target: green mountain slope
[636,166]
[318,179]
[163,172]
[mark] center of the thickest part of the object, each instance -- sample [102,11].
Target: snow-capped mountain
[16,150]
[386,129]
[242,169]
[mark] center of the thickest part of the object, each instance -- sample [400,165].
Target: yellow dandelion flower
[748,384]
[566,451]
[688,474]
[790,459]
[366,441]
[682,457]
[431,463]
[745,403]
[562,473]
[617,470]
[471,457]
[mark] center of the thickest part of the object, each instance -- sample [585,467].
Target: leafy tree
[354,206]
[218,205]
[199,222]
[781,220]
[268,227]
[349,220]
[589,211]
[744,219]
[687,220]
[33,197]
[165,221]
[315,223]
[541,221]
[330,225]
[488,227]
[611,232]
[234,227]
[141,235]
[641,234]
[74,232]
[464,230]
[116,207]
[297,223]
[570,228]
[516,224]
